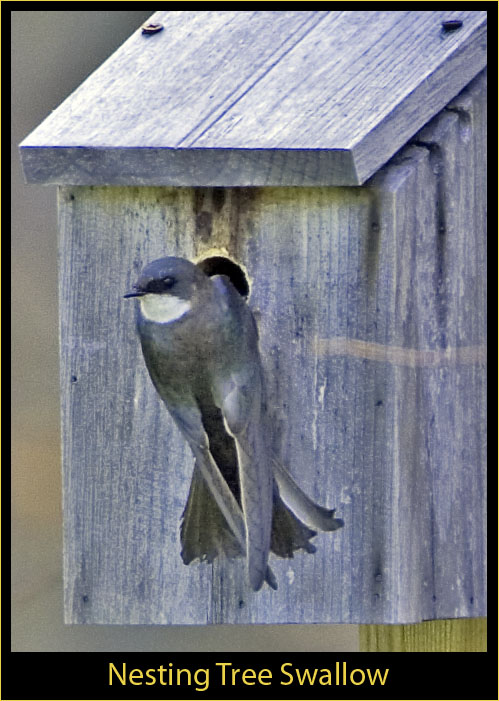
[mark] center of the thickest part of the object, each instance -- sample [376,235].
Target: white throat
[163,308]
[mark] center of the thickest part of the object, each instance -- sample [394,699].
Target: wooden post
[455,635]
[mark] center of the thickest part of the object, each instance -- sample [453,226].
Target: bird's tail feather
[288,532]
[205,534]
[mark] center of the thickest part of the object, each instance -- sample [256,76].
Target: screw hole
[451,25]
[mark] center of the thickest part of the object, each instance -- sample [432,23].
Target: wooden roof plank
[155,90]
[258,98]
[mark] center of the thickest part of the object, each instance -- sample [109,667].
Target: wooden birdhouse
[337,158]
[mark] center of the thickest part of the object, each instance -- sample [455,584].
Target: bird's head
[167,288]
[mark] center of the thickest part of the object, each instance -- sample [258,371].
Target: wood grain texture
[455,635]
[228,98]
[397,446]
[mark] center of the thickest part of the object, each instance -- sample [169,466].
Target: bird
[200,345]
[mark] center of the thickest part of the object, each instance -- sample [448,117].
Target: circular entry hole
[219,265]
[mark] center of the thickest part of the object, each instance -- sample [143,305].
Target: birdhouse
[331,164]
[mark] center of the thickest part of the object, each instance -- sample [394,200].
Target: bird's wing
[238,388]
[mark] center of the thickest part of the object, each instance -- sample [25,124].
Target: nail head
[152,28]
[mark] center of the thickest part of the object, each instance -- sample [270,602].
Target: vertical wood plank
[455,635]
[124,489]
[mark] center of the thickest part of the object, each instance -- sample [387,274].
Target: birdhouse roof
[258,98]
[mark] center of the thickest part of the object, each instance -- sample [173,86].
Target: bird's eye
[168,282]
[159,285]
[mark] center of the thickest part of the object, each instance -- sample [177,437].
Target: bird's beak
[137,293]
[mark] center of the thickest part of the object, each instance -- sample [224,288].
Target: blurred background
[52,53]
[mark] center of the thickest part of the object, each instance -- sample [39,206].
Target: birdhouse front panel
[370,312]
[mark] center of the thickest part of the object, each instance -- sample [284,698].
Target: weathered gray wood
[262,98]
[371,307]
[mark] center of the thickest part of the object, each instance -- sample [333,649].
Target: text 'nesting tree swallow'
[200,345]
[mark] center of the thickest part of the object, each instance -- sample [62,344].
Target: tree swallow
[200,345]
